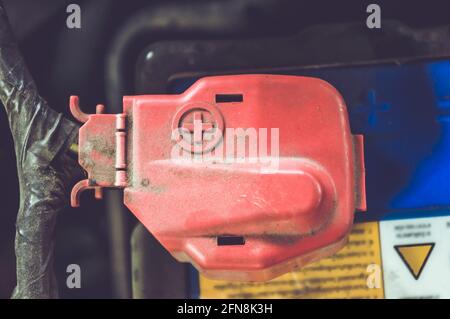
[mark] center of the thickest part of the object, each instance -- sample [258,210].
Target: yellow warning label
[354,272]
[415,256]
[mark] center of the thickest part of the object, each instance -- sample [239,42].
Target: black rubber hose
[41,137]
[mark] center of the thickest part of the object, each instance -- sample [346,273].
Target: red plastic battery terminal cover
[247,177]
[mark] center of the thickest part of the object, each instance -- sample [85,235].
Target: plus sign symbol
[197,127]
[372,109]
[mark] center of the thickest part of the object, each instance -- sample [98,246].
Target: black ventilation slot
[230,241]
[229,98]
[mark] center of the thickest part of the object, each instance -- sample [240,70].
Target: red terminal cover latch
[247,177]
